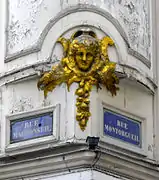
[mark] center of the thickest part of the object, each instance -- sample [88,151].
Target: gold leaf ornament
[85,62]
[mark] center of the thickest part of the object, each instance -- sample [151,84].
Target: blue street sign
[122,128]
[31,127]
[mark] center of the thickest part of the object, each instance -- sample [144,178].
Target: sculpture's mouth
[84,66]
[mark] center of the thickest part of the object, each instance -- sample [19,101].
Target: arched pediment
[129,62]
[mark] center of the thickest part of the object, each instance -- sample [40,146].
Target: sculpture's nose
[84,57]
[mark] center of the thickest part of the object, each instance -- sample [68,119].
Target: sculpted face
[84,59]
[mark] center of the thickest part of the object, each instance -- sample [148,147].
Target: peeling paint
[22,22]
[134,16]
[24,30]
[20,104]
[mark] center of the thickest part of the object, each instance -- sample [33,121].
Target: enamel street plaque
[122,128]
[31,127]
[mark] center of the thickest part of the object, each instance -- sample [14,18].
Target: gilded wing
[108,78]
[104,43]
[50,80]
[65,44]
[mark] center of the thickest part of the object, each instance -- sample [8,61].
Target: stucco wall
[28,33]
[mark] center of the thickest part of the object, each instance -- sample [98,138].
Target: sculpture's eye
[80,54]
[89,55]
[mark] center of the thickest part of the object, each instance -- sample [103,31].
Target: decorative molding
[33,71]
[25,52]
[77,156]
[74,9]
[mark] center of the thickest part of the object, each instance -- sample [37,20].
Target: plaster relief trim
[74,9]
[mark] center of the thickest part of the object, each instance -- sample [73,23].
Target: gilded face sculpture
[84,50]
[87,63]
[84,59]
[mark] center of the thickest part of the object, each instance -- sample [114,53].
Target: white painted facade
[29,30]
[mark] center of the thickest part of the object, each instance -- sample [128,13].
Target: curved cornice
[34,70]
[74,9]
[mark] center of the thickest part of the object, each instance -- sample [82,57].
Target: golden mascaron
[85,62]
